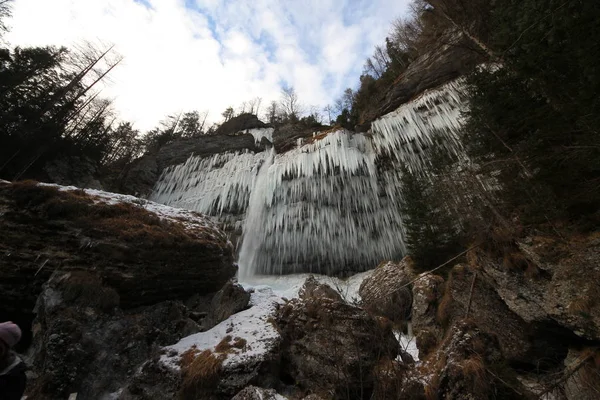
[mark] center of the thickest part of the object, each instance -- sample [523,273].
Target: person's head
[10,334]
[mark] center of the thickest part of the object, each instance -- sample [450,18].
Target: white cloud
[212,54]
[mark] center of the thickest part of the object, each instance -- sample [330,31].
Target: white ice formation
[330,205]
[260,133]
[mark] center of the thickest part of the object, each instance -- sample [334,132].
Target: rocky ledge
[99,280]
[145,251]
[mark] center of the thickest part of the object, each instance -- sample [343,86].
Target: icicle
[213,186]
[260,133]
[408,131]
[324,206]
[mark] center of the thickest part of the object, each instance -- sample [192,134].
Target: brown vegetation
[224,345]
[200,373]
[239,343]
[126,221]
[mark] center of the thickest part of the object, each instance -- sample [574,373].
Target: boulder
[84,343]
[314,289]
[488,309]
[217,364]
[427,292]
[332,348]
[469,365]
[145,252]
[232,298]
[239,123]
[386,292]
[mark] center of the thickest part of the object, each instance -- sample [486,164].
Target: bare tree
[377,64]
[203,117]
[5,12]
[228,113]
[258,101]
[242,109]
[328,109]
[289,102]
[315,113]
[272,112]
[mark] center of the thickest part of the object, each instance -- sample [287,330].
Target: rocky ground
[127,299]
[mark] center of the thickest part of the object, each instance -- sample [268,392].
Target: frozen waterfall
[330,205]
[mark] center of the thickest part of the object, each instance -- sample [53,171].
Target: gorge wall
[329,200]
[331,203]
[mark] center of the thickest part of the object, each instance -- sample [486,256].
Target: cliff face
[144,251]
[99,280]
[144,173]
[445,61]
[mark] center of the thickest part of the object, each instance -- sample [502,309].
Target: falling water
[330,205]
[253,223]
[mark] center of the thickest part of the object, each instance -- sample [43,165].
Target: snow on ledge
[252,325]
[193,222]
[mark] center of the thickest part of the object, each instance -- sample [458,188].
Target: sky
[183,55]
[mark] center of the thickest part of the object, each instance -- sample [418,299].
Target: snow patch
[194,223]
[408,343]
[251,325]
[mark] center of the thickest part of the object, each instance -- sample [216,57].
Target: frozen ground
[253,325]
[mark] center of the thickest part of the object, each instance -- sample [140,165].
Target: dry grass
[125,221]
[224,345]
[587,301]
[427,341]
[87,290]
[188,357]
[239,343]
[432,387]
[389,377]
[515,261]
[474,371]
[200,373]
[590,373]
[444,310]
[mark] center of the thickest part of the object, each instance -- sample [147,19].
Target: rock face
[332,348]
[385,292]
[76,171]
[143,174]
[527,306]
[146,252]
[440,65]
[313,289]
[427,292]
[85,344]
[141,177]
[286,136]
[468,366]
[561,287]
[515,336]
[231,299]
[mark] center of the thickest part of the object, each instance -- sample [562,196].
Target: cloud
[182,55]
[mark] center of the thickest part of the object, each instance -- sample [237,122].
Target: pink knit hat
[10,333]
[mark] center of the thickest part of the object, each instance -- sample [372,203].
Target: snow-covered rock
[147,252]
[247,342]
